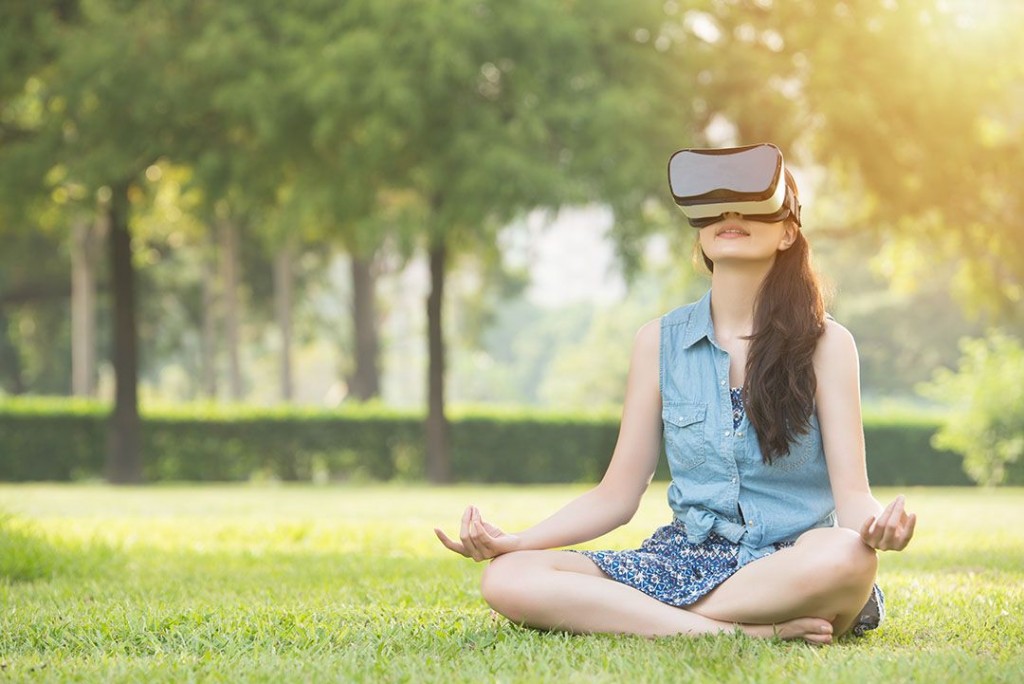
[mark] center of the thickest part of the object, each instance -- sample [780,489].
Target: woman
[756,394]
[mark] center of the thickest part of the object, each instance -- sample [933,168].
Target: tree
[87,234]
[110,99]
[503,107]
[357,102]
[986,393]
[914,106]
[281,143]
[29,43]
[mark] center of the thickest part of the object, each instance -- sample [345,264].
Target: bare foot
[810,629]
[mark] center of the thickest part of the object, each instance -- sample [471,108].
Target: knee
[842,560]
[502,583]
[495,578]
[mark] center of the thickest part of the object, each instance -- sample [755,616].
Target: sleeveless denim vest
[719,482]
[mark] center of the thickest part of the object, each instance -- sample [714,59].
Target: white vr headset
[751,180]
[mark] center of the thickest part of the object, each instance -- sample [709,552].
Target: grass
[246,583]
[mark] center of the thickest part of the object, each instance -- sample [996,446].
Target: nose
[732,213]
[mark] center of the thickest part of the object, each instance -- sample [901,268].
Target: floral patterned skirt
[677,572]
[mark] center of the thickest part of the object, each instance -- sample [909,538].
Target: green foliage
[914,106]
[350,119]
[985,396]
[55,440]
[284,584]
[906,323]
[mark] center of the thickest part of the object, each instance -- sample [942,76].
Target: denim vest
[719,482]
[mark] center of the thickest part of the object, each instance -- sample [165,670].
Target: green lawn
[229,583]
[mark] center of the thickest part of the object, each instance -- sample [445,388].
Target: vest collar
[699,324]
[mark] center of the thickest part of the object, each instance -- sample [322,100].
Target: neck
[734,289]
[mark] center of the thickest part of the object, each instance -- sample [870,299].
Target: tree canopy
[425,127]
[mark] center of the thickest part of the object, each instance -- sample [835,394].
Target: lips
[731,230]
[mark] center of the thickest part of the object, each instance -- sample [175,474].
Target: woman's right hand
[480,540]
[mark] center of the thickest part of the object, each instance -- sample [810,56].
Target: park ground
[348,583]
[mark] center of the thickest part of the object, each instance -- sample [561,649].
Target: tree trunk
[208,341]
[124,458]
[85,241]
[439,469]
[365,382]
[230,299]
[283,279]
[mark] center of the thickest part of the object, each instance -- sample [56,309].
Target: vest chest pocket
[685,441]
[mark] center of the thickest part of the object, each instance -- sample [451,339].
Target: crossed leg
[810,591]
[828,573]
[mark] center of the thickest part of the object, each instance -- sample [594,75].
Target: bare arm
[837,368]
[611,503]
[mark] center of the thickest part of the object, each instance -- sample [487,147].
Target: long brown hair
[789,318]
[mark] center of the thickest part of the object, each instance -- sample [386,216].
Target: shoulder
[645,360]
[680,315]
[648,337]
[836,335]
[836,347]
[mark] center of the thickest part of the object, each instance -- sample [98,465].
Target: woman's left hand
[890,530]
[480,540]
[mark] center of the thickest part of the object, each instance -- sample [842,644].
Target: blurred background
[392,238]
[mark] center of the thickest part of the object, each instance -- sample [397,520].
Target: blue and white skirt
[675,571]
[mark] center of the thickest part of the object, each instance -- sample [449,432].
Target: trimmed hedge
[59,439]
[900,452]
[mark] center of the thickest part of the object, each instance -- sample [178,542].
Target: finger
[474,519]
[477,540]
[449,543]
[483,538]
[865,529]
[464,523]
[898,517]
[475,528]
[893,530]
[484,541]
[466,534]
[887,542]
[866,533]
[889,533]
[874,539]
[886,512]
[883,517]
[908,531]
[898,507]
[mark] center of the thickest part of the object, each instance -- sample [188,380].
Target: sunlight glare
[980,14]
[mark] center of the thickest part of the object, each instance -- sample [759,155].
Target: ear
[789,237]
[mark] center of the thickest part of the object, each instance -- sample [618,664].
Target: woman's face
[734,238]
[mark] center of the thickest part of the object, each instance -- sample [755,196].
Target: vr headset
[750,180]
